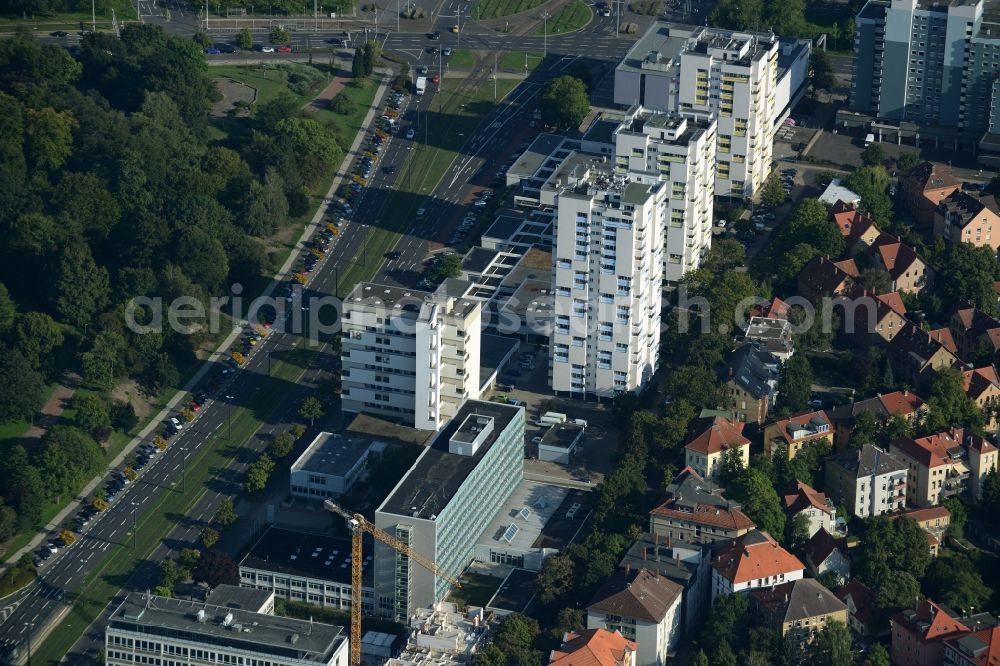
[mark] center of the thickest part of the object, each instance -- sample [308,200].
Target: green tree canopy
[22,388]
[967,274]
[564,103]
[773,193]
[873,155]
[823,77]
[794,384]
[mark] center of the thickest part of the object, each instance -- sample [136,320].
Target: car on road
[225,48]
[454,29]
[267,49]
[434,35]
[389,169]
[392,256]
[336,41]
[211,50]
[446,52]
[284,49]
[433,50]
[423,70]
[59,33]
[436,79]
[410,133]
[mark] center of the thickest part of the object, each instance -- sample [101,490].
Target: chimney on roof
[645,553]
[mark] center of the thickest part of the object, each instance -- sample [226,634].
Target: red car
[284,49]
[435,79]
[195,407]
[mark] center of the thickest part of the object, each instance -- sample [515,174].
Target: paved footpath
[53,408]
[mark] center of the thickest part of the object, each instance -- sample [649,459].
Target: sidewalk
[53,409]
[221,350]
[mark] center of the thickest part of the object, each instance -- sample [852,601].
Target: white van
[869,140]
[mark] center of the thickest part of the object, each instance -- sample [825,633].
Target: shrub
[343,104]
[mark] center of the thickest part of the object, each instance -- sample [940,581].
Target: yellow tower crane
[359,525]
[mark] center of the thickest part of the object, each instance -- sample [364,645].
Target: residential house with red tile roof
[943,335]
[883,407]
[797,431]
[982,385]
[976,648]
[923,188]
[966,217]
[644,607]
[860,601]
[906,269]
[944,464]
[933,520]
[709,441]
[975,332]
[803,499]
[594,647]
[857,227]
[824,554]
[694,511]
[915,355]
[754,560]
[823,277]
[868,316]
[797,610]
[776,309]
[918,634]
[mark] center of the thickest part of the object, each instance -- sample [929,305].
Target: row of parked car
[221,47]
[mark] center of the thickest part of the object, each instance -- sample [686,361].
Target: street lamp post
[545,34]
[30,626]
[459,27]
[184,460]
[134,507]
[229,418]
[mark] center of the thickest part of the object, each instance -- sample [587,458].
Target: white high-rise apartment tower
[651,147]
[607,273]
[408,355]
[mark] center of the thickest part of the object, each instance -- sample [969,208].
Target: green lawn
[572,17]
[215,454]
[476,590]
[12,431]
[488,9]
[124,11]
[515,61]
[269,80]
[426,164]
[462,59]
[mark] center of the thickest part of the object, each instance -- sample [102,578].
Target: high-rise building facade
[409,355]
[748,82]
[445,501]
[932,63]
[608,267]
[679,151]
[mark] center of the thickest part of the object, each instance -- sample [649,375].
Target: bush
[303,78]
[647,7]
[123,416]
[298,202]
[279,36]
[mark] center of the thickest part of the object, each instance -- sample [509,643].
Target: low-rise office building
[444,502]
[311,568]
[331,465]
[146,629]
[560,442]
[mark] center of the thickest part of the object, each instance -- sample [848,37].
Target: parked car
[211,50]
[447,50]
[284,49]
[267,49]
[410,133]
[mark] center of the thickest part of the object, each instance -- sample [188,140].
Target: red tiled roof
[943,335]
[933,176]
[849,267]
[753,556]
[706,514]
[980,380]
[719,435]
[929,622]
[932,451]
[894,301]
[803,420]
[593,647]
[861,596]
[990,639]
[920,515]
[802,496]
[896,256]
[903,403]
[694,500]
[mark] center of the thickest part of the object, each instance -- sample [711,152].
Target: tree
[873,155]
[37,335]
[907,160]
[878,655]
[225,515]
[22,388]
[948,403]
[871,183]
[202,258]
[773,193]
[81,286]
[555,579]
[564,103]
[737,14]
[753,489]
[822,71]
[209,537]
[449,266]
[699,659]
[123,416]
[311,409]
[8,310]
[92,411]
[865,427]
[967,273]
[282,444]
[490,655]
[569,619]
[358,64]
[953,580]
[832,646]
[68,459]
[898,590]
[698,385]
[794,384]
[258,474]
[989,502]
[279,35]
[244,39]
[798,532]
[876,280]
[8,521]
[372,52]
[216,568]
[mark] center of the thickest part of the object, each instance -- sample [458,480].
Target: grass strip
[462,59]
[435,151]
[571,17]
[490,9]
[518,61]
[215,454]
